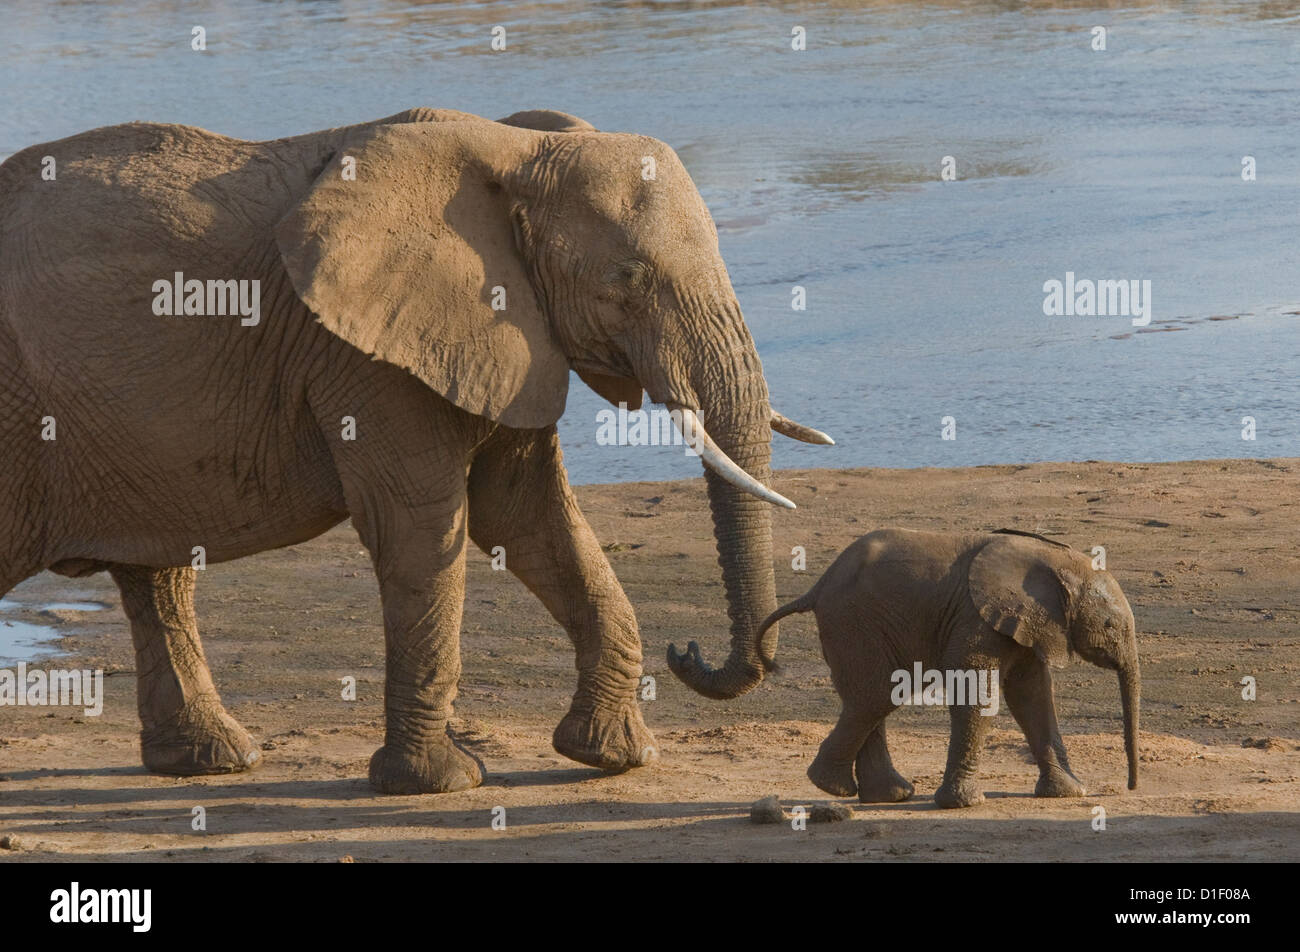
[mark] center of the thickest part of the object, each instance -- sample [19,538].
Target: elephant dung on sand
[1007,604]
[238,345]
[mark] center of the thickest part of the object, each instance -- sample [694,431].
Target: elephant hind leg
[878,781]
[832,770]
[184,728]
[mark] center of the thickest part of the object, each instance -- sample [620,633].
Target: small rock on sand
[767,810]
[10,843]
[829,813]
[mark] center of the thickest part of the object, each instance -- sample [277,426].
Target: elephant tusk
[797,431]
[698,439]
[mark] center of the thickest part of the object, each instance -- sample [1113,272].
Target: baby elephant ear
[1017,590]
[406,247]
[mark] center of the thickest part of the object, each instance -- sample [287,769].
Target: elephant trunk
[1130,690]
[736,415]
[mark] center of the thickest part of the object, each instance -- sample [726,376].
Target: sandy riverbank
[1208,553]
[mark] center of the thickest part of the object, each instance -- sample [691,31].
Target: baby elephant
[962,614]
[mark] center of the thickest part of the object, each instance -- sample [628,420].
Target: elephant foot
[1056,782]
[886,788]
[836,779]
[200,739]
[614,740]
[963,793]
[440,767]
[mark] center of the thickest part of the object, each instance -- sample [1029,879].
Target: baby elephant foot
[962,793]
[887,788]
[835,778]
[439,767]
[1057,782]
[613,739]
[200,739]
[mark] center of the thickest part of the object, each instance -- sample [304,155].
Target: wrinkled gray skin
[1012,602]
[179,432]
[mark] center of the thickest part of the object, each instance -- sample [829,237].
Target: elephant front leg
[1029,695]
[960,787]
[520,500]
[421,571]
[184,728]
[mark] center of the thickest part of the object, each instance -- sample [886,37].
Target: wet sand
[1208,553]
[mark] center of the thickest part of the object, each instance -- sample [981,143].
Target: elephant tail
[804,603]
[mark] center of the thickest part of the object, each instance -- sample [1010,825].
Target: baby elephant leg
[184,728]
[878,781]
[832,770]
[1029,695]
[960,787]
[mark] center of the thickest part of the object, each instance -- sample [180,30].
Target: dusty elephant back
[127,195]
[162,420]
[872,587]
[130,206]
[131,195]
[888,562]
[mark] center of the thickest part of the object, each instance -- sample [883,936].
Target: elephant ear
[409,252]
[1017,590]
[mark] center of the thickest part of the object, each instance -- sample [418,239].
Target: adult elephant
[410,295]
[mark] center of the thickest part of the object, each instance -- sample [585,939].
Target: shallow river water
[822,167]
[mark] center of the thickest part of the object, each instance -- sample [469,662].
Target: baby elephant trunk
[1130,691]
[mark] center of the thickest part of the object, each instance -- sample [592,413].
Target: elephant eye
[630,273]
